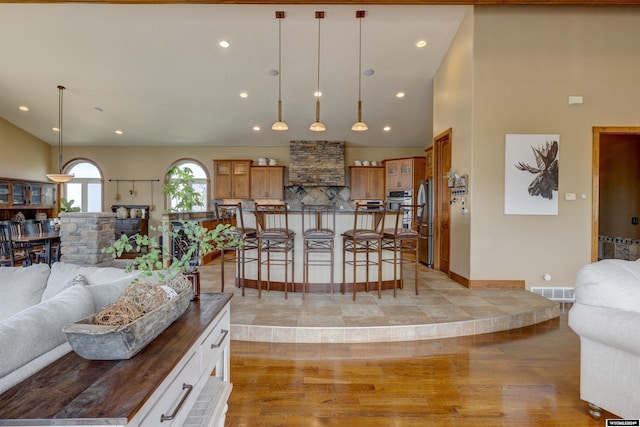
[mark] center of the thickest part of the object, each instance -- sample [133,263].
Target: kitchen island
[319,277]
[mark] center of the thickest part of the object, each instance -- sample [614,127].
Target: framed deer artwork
[531,174]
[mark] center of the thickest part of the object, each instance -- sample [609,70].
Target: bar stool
[231,214]
[365,238]
[402,240]
[274,236]
[318,236]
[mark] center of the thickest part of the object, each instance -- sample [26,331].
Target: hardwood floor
[522,377]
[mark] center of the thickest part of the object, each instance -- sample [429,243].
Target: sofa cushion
[610,283]
[20,288]
[38,329]
[62,273]
[107,293]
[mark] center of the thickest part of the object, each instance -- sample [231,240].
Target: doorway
[615,175]
[442,197]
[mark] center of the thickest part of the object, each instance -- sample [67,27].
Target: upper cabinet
[404,174]
[367,182]
[267,182]
[5,194]
[232,179]
[26,194]
[428,172]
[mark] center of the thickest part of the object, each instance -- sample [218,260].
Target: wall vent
[555,294]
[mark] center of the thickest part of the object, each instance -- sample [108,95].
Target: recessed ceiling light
[400,95]
[23,108]
[317,94]
[244,95]
[386,128]
[119,132]
[225,44]
[256,128]
[421,43]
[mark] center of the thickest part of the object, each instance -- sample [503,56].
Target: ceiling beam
[352,2]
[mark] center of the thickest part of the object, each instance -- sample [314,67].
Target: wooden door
[442,242]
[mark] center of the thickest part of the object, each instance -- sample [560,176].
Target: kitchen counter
[319,277]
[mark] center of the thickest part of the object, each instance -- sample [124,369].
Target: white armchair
[606,316]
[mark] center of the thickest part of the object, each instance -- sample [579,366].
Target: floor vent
[555,294]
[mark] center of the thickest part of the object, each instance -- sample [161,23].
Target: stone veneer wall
[84,234]
[317,163]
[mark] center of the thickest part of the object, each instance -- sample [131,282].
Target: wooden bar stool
[247,238]
[402,241]
[274,237]
[318,236]
[365,238]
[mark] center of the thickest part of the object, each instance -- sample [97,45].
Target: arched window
[85,189]
[200,184]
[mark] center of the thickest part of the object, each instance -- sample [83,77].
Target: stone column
[84,234]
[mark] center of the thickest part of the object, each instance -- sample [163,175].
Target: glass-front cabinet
[27,197]
[5,194]
[19,194]
[35,195]
[49,195]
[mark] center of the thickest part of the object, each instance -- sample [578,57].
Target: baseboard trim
[487,284]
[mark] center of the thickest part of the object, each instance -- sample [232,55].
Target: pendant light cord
[279,61]
[60,90]
[360,63]
[318,82]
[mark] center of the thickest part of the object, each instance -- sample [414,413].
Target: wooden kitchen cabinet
[428,172]
[26,194]
[404,174]
[232,179]
[267,182]
[367,182]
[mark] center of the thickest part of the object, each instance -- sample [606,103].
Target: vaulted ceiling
[157,73]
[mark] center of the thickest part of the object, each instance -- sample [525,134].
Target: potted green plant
[67,206]
[193,239]
[207,241]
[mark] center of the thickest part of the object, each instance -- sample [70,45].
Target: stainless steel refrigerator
[425,242]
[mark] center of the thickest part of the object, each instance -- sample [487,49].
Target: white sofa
[36,302]
[606,316]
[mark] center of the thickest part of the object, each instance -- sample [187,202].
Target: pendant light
[60,177]
[279,125]
[360,126]
[318,126]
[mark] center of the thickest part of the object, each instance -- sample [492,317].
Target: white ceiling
[158,74]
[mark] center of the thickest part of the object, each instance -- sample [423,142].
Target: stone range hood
[317,163]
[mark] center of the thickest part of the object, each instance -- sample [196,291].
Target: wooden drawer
[176,398]
[215,343]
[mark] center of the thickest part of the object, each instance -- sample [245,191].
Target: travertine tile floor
[442,309]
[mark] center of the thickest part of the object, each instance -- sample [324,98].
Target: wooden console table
[185,365]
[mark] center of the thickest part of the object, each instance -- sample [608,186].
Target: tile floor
[442,309]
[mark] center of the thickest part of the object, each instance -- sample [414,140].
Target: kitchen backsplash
[296,195]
